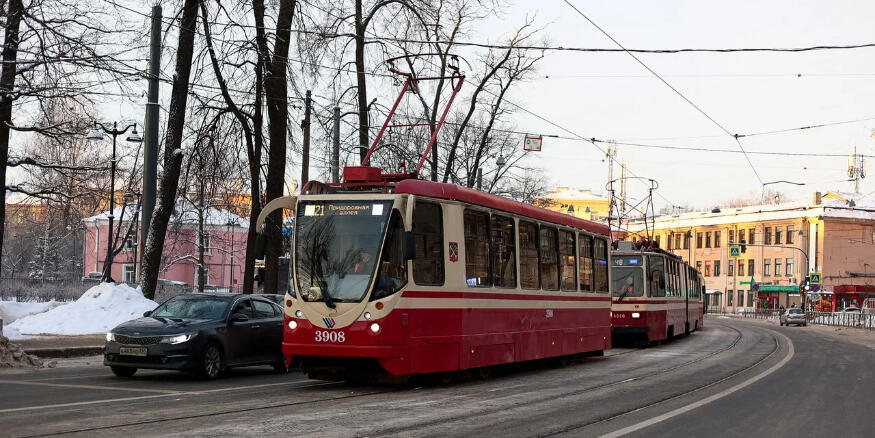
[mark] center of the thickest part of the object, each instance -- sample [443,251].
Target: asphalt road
[733,378]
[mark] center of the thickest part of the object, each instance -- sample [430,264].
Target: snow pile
[13,310]
[98,310]
[12,356]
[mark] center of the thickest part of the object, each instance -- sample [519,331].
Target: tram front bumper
[337,350]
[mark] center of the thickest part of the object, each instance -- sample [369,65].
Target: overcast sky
[610,96]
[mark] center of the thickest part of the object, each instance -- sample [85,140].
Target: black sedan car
[201,333]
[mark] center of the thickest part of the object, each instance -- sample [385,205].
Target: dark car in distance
[200,333]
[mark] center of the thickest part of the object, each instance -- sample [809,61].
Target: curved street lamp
[96,134]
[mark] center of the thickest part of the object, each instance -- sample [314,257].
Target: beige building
[832,234]
[583,204]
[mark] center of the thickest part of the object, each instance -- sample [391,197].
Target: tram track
[398,430]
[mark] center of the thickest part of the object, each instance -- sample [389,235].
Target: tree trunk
[276,93]
[169,182]
[7,84]
[361,84]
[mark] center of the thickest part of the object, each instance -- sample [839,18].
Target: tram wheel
[564,360]
[446,378]
[484,372]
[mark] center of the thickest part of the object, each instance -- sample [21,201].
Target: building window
[708,269]
[698,240]
[730,271]
[789,266]
[657,241]
[131,241]
[750,267]
[716,268]
[668,241]
[586,266]
[750,236]
[740,298]
[716,239]
[767,268]
[503,252]
[699,267]
[568,261]
[779,231]
[529,278]
[687,238]
[549,259]
[197,277]
[708,239]
[477,249]
[777,267]
[428,244]
[767,236]
[790,234]
[732,236]
[741,268]
[749,299]
[129,272]
[729,294]
[677,241]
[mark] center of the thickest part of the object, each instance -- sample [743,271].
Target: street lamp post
[763,196]
[96,135]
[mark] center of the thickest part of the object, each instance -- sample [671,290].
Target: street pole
[305,156]
[231,280]
[107,264]
[335,149]
[150,151]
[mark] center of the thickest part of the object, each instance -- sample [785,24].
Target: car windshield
[795,311]
[627,276]
[337,244]
[192,307]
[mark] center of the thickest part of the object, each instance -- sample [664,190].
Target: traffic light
[743,246]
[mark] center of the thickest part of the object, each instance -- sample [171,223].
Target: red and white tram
[655,293]
[424,277]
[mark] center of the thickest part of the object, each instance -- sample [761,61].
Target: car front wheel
[123,371]
[213,361]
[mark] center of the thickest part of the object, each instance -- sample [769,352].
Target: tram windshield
[337,245]
[627,276]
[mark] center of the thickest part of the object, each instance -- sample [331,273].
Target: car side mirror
[147,313]
[238,317]
[409,246]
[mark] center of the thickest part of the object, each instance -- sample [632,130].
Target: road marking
[705,401]
[145,397]
[70,385]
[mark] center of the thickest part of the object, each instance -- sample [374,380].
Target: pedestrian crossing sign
[734,250]
[814,278]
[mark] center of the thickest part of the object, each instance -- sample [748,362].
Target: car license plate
[132,351]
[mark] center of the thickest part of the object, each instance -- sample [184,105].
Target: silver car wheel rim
[212,361]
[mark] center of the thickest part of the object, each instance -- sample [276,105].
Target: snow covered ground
[13,310]
[98,310]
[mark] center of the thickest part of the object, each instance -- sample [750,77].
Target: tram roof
[476,197]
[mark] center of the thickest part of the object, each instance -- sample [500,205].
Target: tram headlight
[368,316]
[636,315]
[299,313]
[293,324]
[375,328]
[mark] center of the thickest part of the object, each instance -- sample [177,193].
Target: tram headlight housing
[375,328]
[293,324]
[367,316]
[636,315]
[299,313]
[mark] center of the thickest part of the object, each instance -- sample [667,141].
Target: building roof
[464,194]
[832,204]
[186,215]
[569,193]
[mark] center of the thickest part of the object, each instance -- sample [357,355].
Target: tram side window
[428,242]
[657,270]
[568,260]
[503,252]
[529,274]
[586,271]
[549,259]
[601,265]
[477,249]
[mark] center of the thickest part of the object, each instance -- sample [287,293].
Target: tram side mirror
[260,245]
[409,246]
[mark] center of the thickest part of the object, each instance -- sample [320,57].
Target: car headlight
[178,339]
[110,336]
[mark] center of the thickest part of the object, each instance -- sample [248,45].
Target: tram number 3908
[326,336]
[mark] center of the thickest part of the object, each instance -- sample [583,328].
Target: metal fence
[835,319]
[28,289]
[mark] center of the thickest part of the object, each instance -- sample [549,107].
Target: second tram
[654,293]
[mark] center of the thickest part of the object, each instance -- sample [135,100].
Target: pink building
[224,245]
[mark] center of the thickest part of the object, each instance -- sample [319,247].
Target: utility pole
[856,169]
[622,187]
[305,158]
[150,151]
[335,147]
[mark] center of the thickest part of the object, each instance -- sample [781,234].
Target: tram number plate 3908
[330,336]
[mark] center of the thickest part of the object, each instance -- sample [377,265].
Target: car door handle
[255,326]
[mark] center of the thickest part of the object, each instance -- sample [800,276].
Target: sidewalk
[63,346]
[857,335]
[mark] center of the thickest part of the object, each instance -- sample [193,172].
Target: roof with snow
[184,213]
[569,193]
[831,204]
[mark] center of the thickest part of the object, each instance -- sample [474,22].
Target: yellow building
[583,204]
